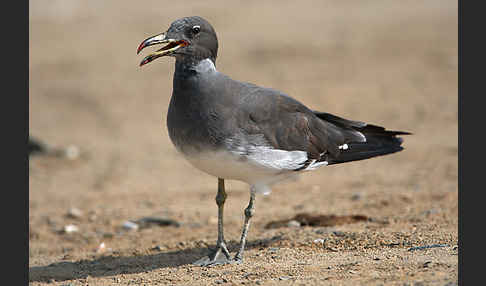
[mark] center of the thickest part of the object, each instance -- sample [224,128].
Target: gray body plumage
[207,127]
[214,118]
[240,131]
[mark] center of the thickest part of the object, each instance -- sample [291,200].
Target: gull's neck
[193,67]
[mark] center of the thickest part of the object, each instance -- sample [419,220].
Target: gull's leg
[220,199]
[249,211]
[215,257]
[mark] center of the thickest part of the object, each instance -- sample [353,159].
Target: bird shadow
[115,265]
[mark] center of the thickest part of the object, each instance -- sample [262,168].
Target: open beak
[172,45]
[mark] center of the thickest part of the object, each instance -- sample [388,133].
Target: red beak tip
[144,62]
[140,48]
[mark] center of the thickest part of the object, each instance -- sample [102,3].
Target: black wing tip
[366,154]
[401,133]
[400,140]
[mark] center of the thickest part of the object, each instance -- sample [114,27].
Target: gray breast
[196,111]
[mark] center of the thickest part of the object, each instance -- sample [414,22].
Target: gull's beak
[160,39]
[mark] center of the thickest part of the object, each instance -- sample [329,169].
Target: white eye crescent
[196,29]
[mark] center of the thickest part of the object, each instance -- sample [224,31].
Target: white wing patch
[257,151]
[279,159]
[270,158]
[314,165]
[276,158]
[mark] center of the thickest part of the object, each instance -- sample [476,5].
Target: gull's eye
[196,29]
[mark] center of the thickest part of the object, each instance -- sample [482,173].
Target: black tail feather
[366,150]
[379,141]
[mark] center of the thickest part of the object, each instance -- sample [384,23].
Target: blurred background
[390,63]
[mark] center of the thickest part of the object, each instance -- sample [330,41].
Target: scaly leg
[215,257]
[249,211]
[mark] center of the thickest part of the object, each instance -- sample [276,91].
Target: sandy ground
[390,63]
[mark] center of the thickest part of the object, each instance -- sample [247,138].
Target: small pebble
[356,196]
[339,233]
[158,221]
[430,212]
[101,248]
[70,228]
[325,230]
[319,241]
[130,225]
[293,223]
[72,152]
[284,278]
[92,217]
[426,247]
[74,213]
[107,235]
